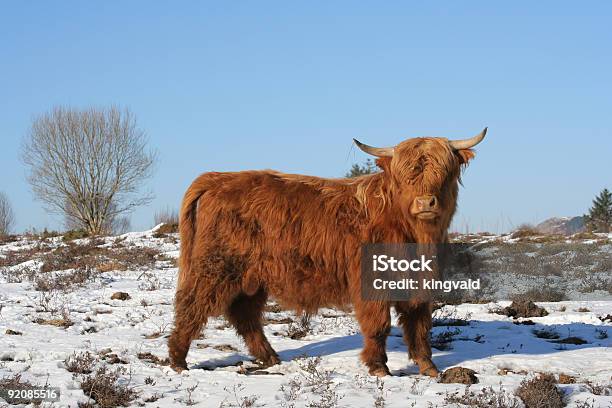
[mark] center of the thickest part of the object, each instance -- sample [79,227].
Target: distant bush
[71,235]
[103,259]
[166,216]
[525,230]
[544,293]
[170,220]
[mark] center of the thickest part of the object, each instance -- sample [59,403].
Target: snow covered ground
[120,333]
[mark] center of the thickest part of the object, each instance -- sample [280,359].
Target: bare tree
[88,165]
[7,217]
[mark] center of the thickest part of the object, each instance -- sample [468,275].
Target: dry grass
[63,322]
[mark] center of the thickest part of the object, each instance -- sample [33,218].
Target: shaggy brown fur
[253,234]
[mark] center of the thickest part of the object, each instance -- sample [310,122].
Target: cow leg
[375,322]
[188,322]
[415,320]
[245,314]
[207,294]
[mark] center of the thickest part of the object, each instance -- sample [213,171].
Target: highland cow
[250,235]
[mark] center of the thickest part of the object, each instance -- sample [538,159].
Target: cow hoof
[430,372]
[380,371]
[179,368]
[269,361]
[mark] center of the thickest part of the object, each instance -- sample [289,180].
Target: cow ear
[465,155]
[384,163]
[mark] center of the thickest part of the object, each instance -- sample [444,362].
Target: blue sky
[287,85]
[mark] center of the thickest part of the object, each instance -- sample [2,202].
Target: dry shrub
[577,341]
[585,235]
[73,256]
[300,329]
[591,283]
[63,322]
[103,259]
[599,389]
[104,388]
[71,235]
[6,239]
[601,334]
[486,398]
[541,392]
[523,308]
[442,341]
[15,382]
[273,308]
[18,274]
[152,358]
[81,363]
[170,220]
[166,216]
[449,317]
[319,381]
[166,229]
[12,258]
[524,231]
[548,334]
[63,282]
[544,293]
[585,404]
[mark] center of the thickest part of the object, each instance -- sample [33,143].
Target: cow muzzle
[425,207]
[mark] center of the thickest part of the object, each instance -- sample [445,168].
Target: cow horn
[468,143]
[375,151]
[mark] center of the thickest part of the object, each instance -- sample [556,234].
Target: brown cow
[253,234]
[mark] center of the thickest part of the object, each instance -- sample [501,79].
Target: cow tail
[187,227]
